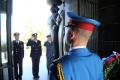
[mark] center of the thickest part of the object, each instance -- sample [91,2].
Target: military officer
[80,63]
[36,52]
[18,54]
[50,53]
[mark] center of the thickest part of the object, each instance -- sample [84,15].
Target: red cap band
[83,25]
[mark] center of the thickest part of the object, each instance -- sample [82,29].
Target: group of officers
[36,53]
[78,64]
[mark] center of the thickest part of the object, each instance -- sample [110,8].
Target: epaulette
[56,60]
[58,69]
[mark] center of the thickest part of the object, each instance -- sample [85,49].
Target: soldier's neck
[80,44]
[17,40]
[49,41]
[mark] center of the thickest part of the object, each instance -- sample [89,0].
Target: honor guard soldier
[36,52]
[80,63]
[18,54]
[50,51]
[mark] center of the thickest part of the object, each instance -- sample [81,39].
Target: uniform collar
[77,47]
[80,52]
[35,41]
[17,41]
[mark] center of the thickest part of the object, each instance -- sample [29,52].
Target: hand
[31,38]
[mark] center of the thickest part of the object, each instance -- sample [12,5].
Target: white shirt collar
[77,47]
[17,41]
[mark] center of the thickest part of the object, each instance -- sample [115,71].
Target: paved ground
[27,68]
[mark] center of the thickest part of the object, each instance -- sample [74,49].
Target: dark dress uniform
[49,52]
[35,55]
[18,54]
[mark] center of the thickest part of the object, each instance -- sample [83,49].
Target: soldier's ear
[72,35]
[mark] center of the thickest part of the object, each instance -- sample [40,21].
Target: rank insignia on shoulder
[59,71]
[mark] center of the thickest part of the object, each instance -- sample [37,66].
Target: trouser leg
[49,61]
[33,63]
[35,66]
[20,69]
[16,70]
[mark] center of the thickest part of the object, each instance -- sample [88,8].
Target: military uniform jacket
[18,49]
[80,64]
[49,49]
[35,47]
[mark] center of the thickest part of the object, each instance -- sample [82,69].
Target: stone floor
[27,68]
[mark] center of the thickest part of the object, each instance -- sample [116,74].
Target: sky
[30,15]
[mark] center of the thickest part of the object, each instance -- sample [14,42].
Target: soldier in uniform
[49,44]
[80,63]
[18,54]
[36,52]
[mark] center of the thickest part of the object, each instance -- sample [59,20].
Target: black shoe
[36,77]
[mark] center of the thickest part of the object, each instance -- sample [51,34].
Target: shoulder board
[60,72]
[58,69]
[56,60]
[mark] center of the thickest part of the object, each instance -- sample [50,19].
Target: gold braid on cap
[59,72]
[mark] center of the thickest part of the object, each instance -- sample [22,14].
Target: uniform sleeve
[29,42]
[45,44]
[23,47]
[40,47]
[101,77]
[53,50]
[53,75]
